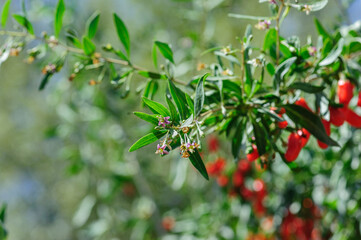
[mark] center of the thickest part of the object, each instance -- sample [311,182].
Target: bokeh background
[65,169]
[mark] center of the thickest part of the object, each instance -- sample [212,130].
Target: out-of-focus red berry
[254,154]
[359,99]
[215,168]
[246,193]
[237,179]
[345,91]
[302,102]
[352,118]
[213,144]
[294,147]
[222,180]
[168,223]
[337,116]
[244,166]
[327,126]
[282,124]
[259,208]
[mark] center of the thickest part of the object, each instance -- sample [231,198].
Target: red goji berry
[345,91]
[294,147]
[337,116]
[254,154]
[359,99]
[222,180]
[352,118]
[302,102]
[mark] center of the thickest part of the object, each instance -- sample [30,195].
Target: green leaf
[199,99]
[23,21]
[122,33]
[197,162]
[248,72]
[306,87]
[334,54]
[321,30]
[88,46]
[58,21]
[238,137]
[45,81]
[173,110]
[165,50]
[71,36]
[92,25]
[248,17]
[259,134]
[2,213]
[5,13]
[147,117]
[179,99]
[282,70]
[147,139]
[152,75]
[310,122]
[154,56]
[157,108]
[314,5]
[190,103]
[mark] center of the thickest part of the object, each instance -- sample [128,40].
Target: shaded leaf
[199,99]
[306,87]
[88,46]
[334,54]
[197,162]
[179,99]
[23,21]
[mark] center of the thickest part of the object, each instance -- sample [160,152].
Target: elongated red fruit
[327,126]
[302,102]
[359,99]
[305,136]
[294,147]
[337,116]
[254,154]
[345,91]
[352,118]
[282,124]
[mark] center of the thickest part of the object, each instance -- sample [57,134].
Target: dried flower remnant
[263,25]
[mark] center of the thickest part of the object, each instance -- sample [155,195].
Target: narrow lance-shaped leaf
[321,30]
[88,46]
[237,138]
[199,99]
[173,110]
[45,81]
[190,103]
[23,21]
[197,162]
[147,139]
[157,108]
[58,21]
[282,70]
[5,13]
[179,99]
[306,87]
[122,33]
[147,117]
[165,50]
[92,25]
[310,122]
[334,54]
[259,134]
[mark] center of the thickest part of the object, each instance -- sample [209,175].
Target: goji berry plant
[266,101]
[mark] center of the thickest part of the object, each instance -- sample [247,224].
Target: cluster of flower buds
[263,25]
[49,69]
[187,148]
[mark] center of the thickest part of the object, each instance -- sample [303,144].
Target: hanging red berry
[345,91]
[294,147]
[337,116]
[352,118]
[305,136]
[254,154]
[282,124]
[302,102]
[327,126]
[359,99]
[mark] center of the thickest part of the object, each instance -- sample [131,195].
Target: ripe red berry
[168,223]
[215,168]
[305,136]
[327,126]
[244,166]
[337,116]
[294,147]
[345,91]
[254,154]
[213,144]
[359,99]
[282,124]
[222,180]
[352,118]
[237,179]
[302,102]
